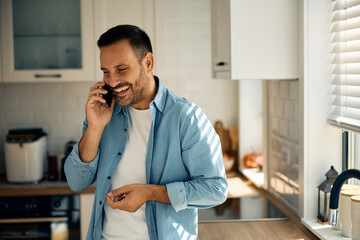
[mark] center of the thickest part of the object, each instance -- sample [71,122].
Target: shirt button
[119,153]
[100,202]
[125,129]
[109,177]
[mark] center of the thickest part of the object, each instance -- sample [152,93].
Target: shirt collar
[160,96]
[159,99]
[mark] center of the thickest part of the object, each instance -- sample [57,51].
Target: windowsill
[325,232]
[254,175]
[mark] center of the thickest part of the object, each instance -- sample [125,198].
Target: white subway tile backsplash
[274,88]
[285,141]
[294,131]
[47,89]
[64,103]
[284,89]
[284,126]
[77,89]
[2,121]
[275,125]
[288,109]
[296,116]
[34,103]
[67,131]
[9,103]
[279,107]
[17,90]
[74,117]
[47,117]
[294,89]
[20,118]
[271,104]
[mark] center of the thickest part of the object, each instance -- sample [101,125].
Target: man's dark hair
[138,39]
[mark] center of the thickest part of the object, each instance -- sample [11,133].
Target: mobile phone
[108,96]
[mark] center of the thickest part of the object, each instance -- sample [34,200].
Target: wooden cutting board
[224,136]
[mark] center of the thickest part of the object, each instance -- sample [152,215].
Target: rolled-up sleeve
[80,174]
[177,195]
[202,155]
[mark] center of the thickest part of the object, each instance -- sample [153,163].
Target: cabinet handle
[48,75]
[221,64]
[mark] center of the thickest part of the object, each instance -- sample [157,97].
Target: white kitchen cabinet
[86,205]
[47,40]
[255,39]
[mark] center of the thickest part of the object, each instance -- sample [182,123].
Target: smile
[121,89]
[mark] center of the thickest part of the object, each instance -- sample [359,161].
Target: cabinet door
[263,39]
[47,40]
[220,37]
[86,205]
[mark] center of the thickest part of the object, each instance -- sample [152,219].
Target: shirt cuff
[177,195]
[75,156]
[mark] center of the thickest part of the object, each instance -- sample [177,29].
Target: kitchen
[181,33]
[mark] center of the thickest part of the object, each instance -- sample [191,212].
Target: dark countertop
[44,187]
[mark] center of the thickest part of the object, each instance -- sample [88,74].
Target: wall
[250,118]
[321,142]
[59,107]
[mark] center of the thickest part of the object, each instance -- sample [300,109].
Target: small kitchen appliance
[25,155]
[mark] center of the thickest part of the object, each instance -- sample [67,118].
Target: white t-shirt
[118,224]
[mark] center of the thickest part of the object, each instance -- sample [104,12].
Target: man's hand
[131,197]
[98,116]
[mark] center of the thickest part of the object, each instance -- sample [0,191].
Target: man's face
[123,73]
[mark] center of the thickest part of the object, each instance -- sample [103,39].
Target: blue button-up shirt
[183,153]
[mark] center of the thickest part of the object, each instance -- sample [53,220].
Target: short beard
[137,95]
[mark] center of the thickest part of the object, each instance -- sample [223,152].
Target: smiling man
[154,156]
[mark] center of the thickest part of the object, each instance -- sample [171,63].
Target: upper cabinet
[255,39]
[47,40]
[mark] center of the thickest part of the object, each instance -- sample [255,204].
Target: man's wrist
[158,193]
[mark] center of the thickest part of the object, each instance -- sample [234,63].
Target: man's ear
[148,63]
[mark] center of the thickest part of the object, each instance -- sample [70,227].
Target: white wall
[250,118]
[321,142]
[59,107]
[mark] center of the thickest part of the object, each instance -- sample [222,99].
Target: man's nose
[112,80]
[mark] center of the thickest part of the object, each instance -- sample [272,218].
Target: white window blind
[345,60]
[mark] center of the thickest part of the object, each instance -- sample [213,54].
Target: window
[345,60]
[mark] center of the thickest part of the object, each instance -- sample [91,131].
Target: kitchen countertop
[252,230]
[44,187]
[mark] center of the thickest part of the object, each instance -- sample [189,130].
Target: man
[154,156]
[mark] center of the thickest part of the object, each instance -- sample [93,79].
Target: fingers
[95,98]
[95,92]
[120,191]
[114,202]
[97,85]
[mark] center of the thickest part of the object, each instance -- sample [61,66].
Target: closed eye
[121,69]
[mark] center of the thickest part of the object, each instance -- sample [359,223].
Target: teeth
[120,89]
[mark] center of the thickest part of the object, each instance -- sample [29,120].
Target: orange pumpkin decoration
[252,160]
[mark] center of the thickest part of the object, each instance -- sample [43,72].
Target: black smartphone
[108,96]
